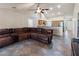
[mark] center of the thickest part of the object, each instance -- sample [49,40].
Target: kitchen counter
[56,30]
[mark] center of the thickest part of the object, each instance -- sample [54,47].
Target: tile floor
[60,47]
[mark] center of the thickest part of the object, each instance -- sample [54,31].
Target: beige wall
[12,19]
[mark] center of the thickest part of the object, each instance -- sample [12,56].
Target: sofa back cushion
[32,30]
[47,31]
[19,30]
[4,31]
[25,29]
[39,30]
[12,30]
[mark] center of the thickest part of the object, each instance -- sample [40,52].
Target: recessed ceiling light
[14,7]
[59,13]
[58,6]
[53,14]
[51,8]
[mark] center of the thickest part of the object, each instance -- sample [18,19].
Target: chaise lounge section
[6,37]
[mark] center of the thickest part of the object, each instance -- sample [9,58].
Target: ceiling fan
[40,10]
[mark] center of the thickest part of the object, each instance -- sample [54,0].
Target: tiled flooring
[35,48]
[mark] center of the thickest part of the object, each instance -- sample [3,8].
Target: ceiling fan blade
[45,9]
[33,7]
[38,4]
[42,12]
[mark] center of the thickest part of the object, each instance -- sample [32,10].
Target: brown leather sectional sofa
[75,46]
[9,36]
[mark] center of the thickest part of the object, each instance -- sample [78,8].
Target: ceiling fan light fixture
[38,10]
[58,6]
[51,8]
[59,13]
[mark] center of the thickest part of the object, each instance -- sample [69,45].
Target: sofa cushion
[4,31]
[39,30]
[19,30]
[47,31]
[33,30]
[11,30]
[4,35]
[34,35]
[5,41]
[43,37]
[14,37]
[26,30]
[24,36]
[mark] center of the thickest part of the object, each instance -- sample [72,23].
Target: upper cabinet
[49,23]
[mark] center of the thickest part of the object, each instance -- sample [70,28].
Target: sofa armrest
[75,47]
[4,35]
[4,41]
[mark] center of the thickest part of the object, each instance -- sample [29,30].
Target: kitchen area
[56,25]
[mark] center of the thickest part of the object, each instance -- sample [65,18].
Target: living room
[38,29]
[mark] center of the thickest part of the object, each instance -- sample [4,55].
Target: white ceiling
[17,5]
[66,8]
